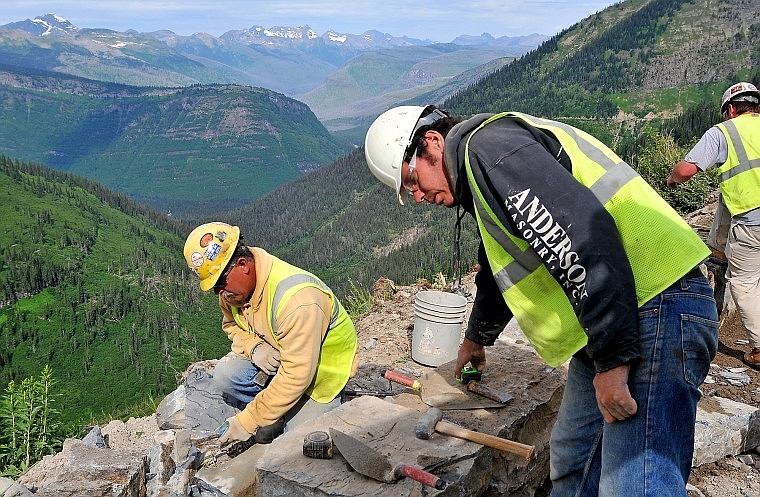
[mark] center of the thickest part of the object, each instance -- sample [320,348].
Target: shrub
[29,428]
[655,159]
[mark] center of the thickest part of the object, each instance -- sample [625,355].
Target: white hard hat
[748,91]
[386,143]
[388,139]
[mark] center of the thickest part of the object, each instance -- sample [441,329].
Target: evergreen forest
[94,285]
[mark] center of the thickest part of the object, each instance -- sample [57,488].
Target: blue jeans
[234,375]
[650,453]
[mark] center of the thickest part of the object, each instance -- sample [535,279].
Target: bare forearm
[681,173]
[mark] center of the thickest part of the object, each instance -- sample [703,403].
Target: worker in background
[595,267]
[734,145]
[282,321]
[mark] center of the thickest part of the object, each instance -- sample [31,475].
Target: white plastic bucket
[438,318]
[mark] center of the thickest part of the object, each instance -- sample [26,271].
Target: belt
[695,272]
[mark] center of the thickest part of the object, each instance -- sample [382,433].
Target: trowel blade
[363,458]
[446,393]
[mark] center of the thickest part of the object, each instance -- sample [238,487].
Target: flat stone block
[724,428]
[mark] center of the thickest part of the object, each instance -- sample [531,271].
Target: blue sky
[440,20]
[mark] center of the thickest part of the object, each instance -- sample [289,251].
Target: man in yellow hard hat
[734,146]
[293,344]
[595,267]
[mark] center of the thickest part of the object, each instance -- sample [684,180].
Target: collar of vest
[262,264]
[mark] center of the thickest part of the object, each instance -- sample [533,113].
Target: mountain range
[126,108]
[290,60]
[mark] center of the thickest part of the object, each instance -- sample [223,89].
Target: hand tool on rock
[471,377]
[432,421]
[371,463]
[445,393]
[349,392]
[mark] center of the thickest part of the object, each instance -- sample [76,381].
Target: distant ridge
[291,60]
[175,148]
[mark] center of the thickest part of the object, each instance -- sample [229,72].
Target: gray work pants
[743,275]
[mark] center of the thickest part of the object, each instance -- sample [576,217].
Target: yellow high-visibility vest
[659,244]
[339,345]
[740,174]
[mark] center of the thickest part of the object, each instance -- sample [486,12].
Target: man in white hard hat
[293,344]
[734,147]
[595,267]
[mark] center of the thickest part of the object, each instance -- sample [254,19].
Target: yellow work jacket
[740,174]
[649,228]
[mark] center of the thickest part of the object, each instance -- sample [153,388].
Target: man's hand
[612,394]
[234,432]
[470,352]
[265,357]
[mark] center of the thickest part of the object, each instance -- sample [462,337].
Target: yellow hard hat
[208,250]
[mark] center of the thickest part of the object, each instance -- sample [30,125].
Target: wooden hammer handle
[453,430]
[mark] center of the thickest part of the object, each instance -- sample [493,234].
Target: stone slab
[724,428]
[388,426]
[85,470]
[195,405]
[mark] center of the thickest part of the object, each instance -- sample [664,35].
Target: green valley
[177,149]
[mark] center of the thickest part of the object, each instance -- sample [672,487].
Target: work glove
[232,431]
[266,434]
[266,358]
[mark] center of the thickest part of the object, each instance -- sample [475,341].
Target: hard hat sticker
[206,239]
[221,235]
[212,251]
[197,259]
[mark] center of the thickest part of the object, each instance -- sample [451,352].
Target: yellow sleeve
[301,326]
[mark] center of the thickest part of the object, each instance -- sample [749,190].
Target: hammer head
[425,426]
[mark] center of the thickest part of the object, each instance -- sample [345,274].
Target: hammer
[432,421]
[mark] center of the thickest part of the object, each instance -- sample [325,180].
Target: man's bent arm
[681,173]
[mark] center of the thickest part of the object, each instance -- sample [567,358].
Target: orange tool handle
[401,379]
[421,476]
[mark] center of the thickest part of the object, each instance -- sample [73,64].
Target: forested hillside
[95,286]
[340,223]
[179,149]
[630,57]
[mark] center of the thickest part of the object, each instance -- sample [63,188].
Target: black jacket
[513,156]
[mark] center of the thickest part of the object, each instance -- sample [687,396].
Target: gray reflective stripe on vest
[741,153]
[295,280]
[617,173]
[525,261]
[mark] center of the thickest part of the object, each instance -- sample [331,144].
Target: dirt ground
[385,337]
